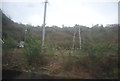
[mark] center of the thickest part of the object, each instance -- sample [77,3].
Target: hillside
[62,37]
[97,58]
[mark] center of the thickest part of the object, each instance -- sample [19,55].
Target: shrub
[32,50]
[9,43]
[101,56]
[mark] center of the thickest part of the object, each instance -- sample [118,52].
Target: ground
[56,65]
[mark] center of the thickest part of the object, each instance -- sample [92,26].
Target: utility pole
[25,35]
[43,31]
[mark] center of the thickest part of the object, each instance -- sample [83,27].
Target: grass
[68,63]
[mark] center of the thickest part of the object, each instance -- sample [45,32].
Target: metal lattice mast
[43,31]
[80,38]
[74,37]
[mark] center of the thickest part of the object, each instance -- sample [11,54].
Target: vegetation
[9,43]
[32,50]
[97,58]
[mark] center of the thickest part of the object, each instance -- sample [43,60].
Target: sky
[62,12]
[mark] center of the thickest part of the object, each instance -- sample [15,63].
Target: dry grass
[61,63]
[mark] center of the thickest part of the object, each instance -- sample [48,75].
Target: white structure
[1,41]
[75,30]
[21,44]
[80,37]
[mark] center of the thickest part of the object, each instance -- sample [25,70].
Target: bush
[9,43]
[101,60]
[32,50]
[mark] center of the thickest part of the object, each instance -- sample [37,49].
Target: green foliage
[51,51]
[32,49]
[98,53]
[68,61]
[9,42]
[100,59]
[109,65]
[98,50]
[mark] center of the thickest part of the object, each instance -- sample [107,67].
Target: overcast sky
[62,12]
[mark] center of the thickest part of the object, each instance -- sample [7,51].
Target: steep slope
[12,29]
[61,37]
